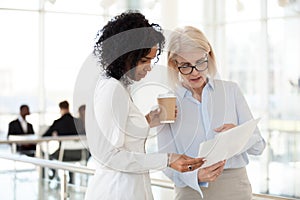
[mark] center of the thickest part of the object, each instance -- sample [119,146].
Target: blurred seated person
[21,127]
[80,122]
[80,125]
[64,126]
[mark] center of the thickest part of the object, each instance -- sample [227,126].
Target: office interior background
[43,44]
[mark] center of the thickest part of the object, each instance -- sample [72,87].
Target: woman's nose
[147,67]
[195,72]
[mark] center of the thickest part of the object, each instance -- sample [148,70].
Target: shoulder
[227,85]
[14,122]
[65,117]
[110,86]
[57,120]
[109,83]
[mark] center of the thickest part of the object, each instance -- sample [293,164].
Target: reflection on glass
[282,8]
[237,10]
[20,4]
[18,65]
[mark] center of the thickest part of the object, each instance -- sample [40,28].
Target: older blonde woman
[206,106]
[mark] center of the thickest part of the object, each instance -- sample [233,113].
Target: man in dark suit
[21,127]
[63,126]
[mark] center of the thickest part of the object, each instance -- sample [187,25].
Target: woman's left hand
[224,127]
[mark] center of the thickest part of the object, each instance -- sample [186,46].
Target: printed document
[227,144]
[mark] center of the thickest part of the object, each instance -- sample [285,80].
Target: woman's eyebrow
[188,63]
[184,63]
[197,61]
[201,60]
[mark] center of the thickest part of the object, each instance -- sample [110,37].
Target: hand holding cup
[167,105]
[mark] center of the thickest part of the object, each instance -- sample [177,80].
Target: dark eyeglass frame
[192,67]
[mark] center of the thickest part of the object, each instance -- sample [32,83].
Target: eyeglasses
[188,69]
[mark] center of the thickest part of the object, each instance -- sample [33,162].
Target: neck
[64,111]
[197,92]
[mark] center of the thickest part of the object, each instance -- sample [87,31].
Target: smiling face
[196,79]
[143,65]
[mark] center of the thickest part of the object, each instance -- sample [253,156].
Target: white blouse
[116,134]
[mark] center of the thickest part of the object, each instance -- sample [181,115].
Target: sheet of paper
[227,144]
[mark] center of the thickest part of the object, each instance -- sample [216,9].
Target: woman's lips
[140,76]
[195,79]
[143,75]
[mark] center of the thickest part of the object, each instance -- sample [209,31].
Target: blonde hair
[186,39]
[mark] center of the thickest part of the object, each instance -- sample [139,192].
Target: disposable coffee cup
[167,106]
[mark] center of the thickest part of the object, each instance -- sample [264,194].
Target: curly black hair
[124,40]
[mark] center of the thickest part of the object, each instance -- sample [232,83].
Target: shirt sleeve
[106,128]
[50,130]
[166,143]
[256,143]
[191,179]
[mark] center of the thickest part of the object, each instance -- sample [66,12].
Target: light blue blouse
[222,103]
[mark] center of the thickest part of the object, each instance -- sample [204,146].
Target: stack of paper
[227,144]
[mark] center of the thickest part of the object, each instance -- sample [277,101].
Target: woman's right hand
[211,173]
[184,163]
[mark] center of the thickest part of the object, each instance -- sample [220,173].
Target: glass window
[78,6]
[191,13]
[243,62]
[281,8]
[238,10]
[284,46]
[69,39]
[18,64]
[20,4]
[284,111]
[152,10]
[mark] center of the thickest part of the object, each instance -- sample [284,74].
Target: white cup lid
[166,95]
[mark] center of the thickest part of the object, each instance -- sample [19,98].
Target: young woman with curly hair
[117,135]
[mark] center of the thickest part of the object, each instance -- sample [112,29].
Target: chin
[137,78]
[198,84]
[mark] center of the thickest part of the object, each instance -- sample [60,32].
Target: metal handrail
[48,163]
[25,139]
[51,164]
[83,169]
